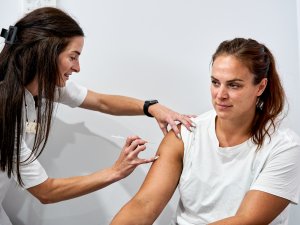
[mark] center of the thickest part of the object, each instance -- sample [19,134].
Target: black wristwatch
[147,104]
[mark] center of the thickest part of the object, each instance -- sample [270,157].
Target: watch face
[152,101]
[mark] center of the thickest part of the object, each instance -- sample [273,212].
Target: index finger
[130,139]
[175,129]
[187,122]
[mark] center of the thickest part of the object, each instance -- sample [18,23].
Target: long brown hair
[41,36]
[261,63]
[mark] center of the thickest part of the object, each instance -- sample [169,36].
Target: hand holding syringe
[124,138]
[129,157]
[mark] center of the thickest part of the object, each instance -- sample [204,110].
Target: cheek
[248,100]
[63,65]
[213,92]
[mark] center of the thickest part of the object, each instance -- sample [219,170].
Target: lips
[67,76]
[223,106]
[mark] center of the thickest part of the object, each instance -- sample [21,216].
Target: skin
[68,62]
[233,96]
[234,99]
[55,190]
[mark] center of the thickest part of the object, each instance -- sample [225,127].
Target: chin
[223,114]
[61,83]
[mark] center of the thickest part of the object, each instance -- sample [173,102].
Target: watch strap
[146,106]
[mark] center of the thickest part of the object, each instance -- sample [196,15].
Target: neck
[32,87]
[231,133]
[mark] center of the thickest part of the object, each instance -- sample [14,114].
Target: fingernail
[156,157]
[193,124]
[192,129]
[179,136]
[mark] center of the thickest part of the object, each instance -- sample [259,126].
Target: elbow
[45,200]
[43,192]
[149,210]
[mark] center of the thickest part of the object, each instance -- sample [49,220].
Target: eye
[234,85]
[215,83]
[73,57]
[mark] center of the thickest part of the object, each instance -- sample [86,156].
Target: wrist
[115,174]
[147,105]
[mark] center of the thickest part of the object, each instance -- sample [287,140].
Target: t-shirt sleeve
[280,174]
[72,94]
[188,139]
[32,172]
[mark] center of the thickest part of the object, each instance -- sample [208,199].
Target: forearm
[127,106]
[113,104]
[136,213]
[55,190]
[234,220]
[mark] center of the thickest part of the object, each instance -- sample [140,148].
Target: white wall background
[147,49]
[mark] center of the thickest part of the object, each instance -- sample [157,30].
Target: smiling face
[68,60]
[233,93]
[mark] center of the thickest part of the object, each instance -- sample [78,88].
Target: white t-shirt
[33,174]
[215,180]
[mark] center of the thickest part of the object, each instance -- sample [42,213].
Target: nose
[76,66]
[222,92]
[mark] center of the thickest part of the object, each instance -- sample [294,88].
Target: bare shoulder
[171,145]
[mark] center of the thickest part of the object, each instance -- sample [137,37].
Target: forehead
[75,44]
[228,67]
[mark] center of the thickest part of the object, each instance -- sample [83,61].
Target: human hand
[128,159]
[165,116]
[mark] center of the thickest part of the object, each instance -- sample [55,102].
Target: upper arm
[40,191]
[261,207]
[92,101]
[257,208]
[275,187]
[158,187]
[163,176]
[32,172]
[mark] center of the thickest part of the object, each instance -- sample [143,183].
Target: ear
[262,86]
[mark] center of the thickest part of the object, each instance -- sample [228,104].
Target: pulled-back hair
[41,36]
[261,63]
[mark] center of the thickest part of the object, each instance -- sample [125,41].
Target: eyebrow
[233,80]
[77,52]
